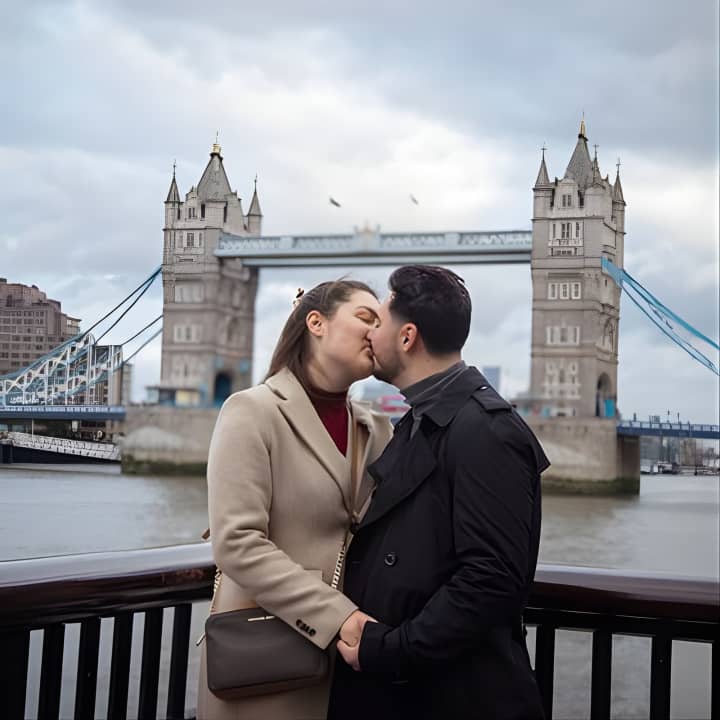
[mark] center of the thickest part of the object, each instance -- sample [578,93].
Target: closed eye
[368,316]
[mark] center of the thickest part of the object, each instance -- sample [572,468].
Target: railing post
[545,665]
[51,672]
[86,685]
[13,678]
[150,668]
[120,666]
[660,664]
[179,662]
[715,681]
[601,675]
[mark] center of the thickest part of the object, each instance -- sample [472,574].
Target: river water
[672,526]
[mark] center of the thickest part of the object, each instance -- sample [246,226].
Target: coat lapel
[297,409]
[362,415]
[402,468]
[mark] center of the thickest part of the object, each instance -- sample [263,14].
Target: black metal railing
[49,594]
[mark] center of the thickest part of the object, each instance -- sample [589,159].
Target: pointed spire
[617,189]
[214,183]
[596,177]
[580,167]
[255,203]
[173,193]
[542,178]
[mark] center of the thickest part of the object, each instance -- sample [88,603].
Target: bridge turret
[254,216]
[208,304]
[618,203]
[575,307]
[173,213]
[543,191]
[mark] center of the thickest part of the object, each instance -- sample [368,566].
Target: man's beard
[387,372]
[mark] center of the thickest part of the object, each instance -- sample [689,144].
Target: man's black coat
[444,559]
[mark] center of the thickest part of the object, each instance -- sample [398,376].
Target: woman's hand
[350,634]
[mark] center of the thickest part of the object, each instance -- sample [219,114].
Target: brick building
[30,325]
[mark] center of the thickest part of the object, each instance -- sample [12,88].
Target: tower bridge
[213,252]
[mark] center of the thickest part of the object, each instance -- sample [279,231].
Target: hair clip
[298,297]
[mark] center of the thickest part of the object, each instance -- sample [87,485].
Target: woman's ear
[315,323]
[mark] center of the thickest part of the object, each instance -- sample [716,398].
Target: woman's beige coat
[279,499]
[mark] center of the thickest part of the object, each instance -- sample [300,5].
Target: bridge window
[562,335]
[564,290]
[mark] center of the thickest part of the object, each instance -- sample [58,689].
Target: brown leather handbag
[251,652]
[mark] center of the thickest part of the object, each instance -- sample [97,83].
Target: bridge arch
[604,397]
[222,388]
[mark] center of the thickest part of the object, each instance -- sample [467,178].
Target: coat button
[390,559]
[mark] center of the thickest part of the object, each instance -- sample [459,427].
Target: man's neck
[424,367]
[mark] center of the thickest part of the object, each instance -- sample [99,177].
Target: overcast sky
[367,102]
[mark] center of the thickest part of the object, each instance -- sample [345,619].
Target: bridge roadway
[62,412]
[370,247]
[654,429]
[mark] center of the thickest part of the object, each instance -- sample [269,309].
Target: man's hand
[349,645]
[352,628]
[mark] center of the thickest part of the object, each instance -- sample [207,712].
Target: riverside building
[30,325]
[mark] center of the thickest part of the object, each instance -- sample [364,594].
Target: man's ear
[408,337]
[315,323]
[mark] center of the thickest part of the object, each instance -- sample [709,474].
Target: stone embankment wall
[588,456]
[166,440]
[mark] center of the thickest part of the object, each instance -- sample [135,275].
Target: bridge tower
[208,302]
[575,308]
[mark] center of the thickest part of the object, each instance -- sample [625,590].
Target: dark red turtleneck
[332,409]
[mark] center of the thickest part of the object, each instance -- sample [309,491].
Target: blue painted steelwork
[661,316]
[654,429]
[62,412]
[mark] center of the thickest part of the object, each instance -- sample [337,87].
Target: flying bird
[334,202]
[414,199]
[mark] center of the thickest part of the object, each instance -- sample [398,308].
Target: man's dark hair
[436,301]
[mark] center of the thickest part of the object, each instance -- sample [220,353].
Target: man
[446,553]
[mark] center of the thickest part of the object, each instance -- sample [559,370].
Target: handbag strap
[353,515]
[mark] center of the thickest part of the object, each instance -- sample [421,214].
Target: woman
[279,485]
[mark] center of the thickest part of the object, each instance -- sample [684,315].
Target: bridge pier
[588,456]
[166,440]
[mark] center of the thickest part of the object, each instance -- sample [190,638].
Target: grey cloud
[518,69]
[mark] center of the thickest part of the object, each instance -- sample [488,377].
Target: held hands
[350,633]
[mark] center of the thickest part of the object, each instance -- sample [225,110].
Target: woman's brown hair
[291,346]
